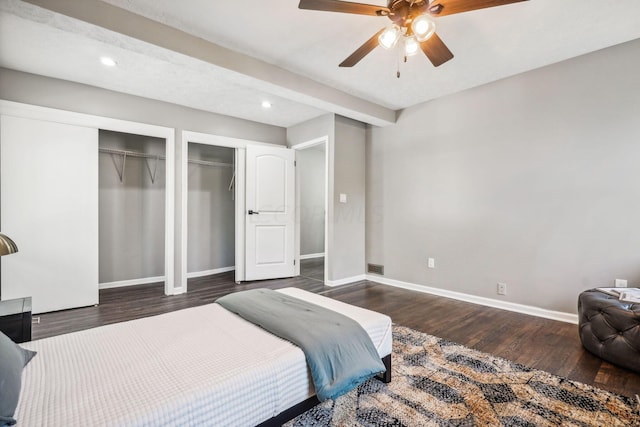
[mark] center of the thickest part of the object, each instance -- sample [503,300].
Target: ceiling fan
[412,24]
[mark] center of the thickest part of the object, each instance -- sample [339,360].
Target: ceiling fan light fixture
[423,27]
[390,36]
[411,46]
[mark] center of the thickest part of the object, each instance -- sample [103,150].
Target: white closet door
[49,207]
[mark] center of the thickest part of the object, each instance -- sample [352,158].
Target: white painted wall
[532,181]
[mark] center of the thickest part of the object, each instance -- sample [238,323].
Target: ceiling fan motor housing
[403,12]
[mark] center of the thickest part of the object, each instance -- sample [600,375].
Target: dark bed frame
[304,406]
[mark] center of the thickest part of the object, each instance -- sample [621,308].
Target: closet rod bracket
[153,173]
[119,170]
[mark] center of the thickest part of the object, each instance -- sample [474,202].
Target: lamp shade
[7,246]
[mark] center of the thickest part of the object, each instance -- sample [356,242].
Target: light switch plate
[343,198]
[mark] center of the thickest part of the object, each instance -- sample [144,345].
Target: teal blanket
[338,350]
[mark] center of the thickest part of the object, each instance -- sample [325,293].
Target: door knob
[252,212]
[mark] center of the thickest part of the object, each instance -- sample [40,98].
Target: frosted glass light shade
[423,27]
[389,37]
[411,46]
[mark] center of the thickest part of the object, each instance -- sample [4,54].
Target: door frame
[239,192]
[302,146]
[30,111]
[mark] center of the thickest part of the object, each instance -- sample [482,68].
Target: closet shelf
[156,157]
[160,157]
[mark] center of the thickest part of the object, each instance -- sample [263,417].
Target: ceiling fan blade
[435,49]
[449,7]
[344,7]
[362,51]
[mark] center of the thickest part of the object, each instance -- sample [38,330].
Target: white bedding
[199,366]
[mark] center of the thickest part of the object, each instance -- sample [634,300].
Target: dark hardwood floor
[539,343]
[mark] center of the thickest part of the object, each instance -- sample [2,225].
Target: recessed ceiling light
[109,62]
[266,104]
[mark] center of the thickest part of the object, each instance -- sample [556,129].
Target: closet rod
[153,156]
[209,163]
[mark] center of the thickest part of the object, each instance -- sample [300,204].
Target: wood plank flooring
[539,343]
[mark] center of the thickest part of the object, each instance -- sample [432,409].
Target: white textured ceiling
[298,52]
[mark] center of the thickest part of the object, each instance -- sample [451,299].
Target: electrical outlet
[620,283]
[431,263]
[502,288]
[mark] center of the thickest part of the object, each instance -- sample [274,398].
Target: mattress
[199,366]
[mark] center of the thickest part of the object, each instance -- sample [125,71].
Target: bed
[199,366]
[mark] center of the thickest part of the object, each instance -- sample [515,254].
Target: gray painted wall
[311,166]
[374,204]
[346,153]
[532,181]
[307,131]
[349,178]
[131,212]
[210,210]
[312,129]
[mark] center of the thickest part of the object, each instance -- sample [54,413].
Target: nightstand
[15,319]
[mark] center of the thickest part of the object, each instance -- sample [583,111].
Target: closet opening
[211,212]
[312,201]
[131,204]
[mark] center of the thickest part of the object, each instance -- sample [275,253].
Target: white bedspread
[199,366]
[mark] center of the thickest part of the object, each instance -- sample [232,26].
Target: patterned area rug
[439,383]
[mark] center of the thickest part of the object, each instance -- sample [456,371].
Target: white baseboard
[210,272]
[345,281]
[132,282]
[178,291]
[504,305]
[309,256]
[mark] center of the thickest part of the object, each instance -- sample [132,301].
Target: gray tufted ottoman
[610,328]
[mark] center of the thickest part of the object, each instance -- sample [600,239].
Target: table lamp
[7,246]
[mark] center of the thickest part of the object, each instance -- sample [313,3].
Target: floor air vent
[376,269]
